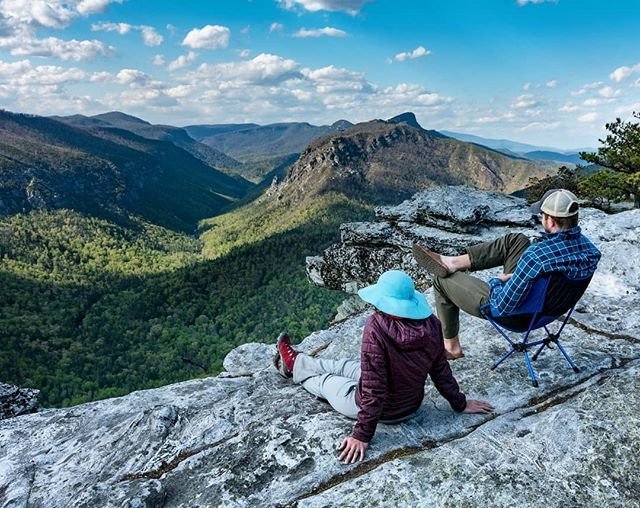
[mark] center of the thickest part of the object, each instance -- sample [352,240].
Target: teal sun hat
[395,294]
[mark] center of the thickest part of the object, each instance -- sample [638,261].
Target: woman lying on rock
[401,345]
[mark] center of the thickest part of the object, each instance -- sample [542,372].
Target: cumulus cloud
[622,73]
[349,6]
[182,61]
[264,69]
[150,36]
[588,117]
[208,37]
[552,84]
[25,45]
[525,101]
[327,31]
[333,79]
[94,6]
[159,60]
[609,92]
[49,13]
[132,77]
[419,52]
[276,27]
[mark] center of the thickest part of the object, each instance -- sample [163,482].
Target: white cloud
[585,88]
[349,6]
[244,53]
[25,45]
[150,36]
[628,109]
[159,60]
[333,79]
[416,53]
[526,86]
[49,13]
[593,102]
[552,84]
[264,69]
[622,73]
[569,108]
[320,32]
[609,92]
[94,6]
[276,27]
[525,101]
[588,117]
[132,77]
[208,37]
[182,61]
[525,2]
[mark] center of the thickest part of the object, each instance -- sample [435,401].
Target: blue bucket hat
[395,294]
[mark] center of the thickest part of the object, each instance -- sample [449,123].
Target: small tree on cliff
[621,153]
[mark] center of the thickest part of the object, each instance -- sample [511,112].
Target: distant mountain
[175,135]
[571,158]
[103,170]
[251,143]
[513,146]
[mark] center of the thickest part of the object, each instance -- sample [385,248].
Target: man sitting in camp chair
[563,249]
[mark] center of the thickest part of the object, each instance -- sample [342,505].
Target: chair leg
[532,374]
[575,368]
[503,358]
[537,353]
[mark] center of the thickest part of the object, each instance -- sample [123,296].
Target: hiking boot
[286,355]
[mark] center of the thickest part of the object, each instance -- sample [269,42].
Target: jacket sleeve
[372,386]
[442,376]
[505,297]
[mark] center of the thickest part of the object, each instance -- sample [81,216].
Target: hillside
[175,135]
[249,143]
[48,164]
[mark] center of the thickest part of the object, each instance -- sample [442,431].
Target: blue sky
[539,71]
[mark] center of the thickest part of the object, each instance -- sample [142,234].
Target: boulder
[16,401]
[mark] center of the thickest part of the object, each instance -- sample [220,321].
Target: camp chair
[550,296]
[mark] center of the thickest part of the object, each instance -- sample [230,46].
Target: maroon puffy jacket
[397,355]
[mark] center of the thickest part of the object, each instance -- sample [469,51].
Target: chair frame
[535,306]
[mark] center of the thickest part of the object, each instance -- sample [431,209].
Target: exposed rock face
[16,401]
[251,438]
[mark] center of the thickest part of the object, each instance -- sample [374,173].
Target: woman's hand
[478,406]
[353,450]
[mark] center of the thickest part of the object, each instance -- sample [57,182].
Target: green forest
[92,309]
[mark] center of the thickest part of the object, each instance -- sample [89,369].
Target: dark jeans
[462,291]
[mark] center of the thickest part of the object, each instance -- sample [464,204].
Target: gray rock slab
[580,452]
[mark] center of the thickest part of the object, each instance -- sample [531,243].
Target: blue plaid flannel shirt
[568,251]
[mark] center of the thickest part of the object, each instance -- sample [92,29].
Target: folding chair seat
[550,297]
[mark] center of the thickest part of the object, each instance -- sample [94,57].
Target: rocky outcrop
[250,438]
[16,401]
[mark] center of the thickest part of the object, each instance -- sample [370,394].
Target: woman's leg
[333,380]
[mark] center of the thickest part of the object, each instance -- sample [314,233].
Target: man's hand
[352,450]
[478,406]
[504,277]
